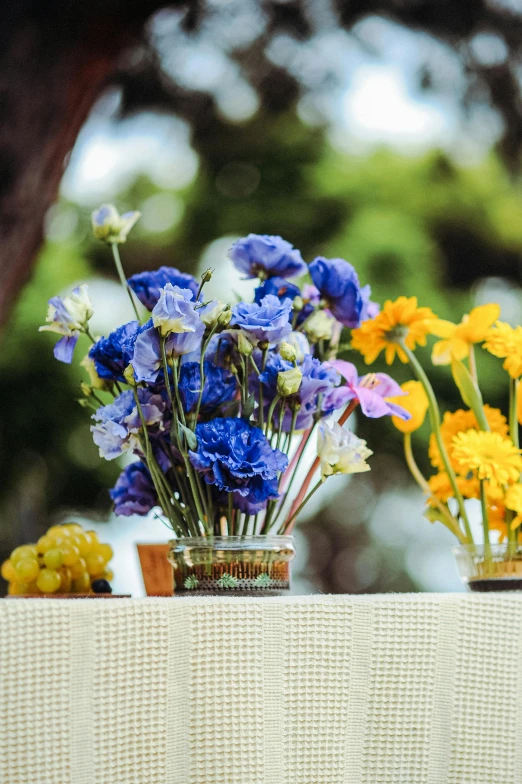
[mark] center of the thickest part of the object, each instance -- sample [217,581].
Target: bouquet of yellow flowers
[474,450]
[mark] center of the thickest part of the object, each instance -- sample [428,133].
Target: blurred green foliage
[416,226]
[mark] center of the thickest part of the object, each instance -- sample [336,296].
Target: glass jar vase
[240,565]
[497,567]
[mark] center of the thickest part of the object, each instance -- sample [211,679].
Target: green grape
[27,570]
[71,554]
[83,542]
[95,564]
[53,558]
[82,583]
[24,551]
[44,543]
[48,581]
[105,550]
[78,568]
[59,530]
[8,571]
[66,580]
[20,589]
[74,528]
[108,575]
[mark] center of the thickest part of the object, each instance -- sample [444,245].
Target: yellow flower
[399,320]
[513,501]
[441,488]
[493,457]
[458,422]
[457,338]
[505,341]
[415,402]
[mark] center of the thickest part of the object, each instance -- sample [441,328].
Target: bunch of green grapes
[66,559]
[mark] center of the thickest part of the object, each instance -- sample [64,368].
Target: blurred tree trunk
[54,59]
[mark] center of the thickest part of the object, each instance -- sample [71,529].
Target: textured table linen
[396,689]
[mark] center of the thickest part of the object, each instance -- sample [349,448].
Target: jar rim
[228,541]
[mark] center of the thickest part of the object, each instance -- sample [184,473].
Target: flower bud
[244,346]
[289,381]
[111,227]
[94,379]
[86,389]
[225,316]
[287,351]
[319,326]
[129,376]
[298,303]
[207,275]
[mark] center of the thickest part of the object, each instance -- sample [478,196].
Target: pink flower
[371,391]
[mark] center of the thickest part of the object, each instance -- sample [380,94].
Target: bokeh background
[386,133]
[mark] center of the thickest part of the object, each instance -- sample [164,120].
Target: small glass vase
[232,565]
[494,568]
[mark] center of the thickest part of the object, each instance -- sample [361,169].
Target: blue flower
[237,458]
[175,311]
[339,286]
[147,360]
[278,287]
[119,423]
[222,349]
[220,387]
[264,256]
[111,355]
[68,316]
[147,285]
[134,492]
[319,378]
[266,321]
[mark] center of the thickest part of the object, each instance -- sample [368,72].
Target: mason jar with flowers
[219,404]
[474,450]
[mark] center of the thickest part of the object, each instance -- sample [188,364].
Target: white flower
[319,326]
[69,315]
[289,381]
[110,226]
[300,344]
[210,312]
[340,451]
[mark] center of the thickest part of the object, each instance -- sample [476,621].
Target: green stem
[271,410]
[485,520]
[449,521]
[435,426]
[123,279]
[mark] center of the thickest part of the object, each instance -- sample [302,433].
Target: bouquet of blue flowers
[217,402]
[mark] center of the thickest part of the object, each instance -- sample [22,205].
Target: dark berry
[101,586]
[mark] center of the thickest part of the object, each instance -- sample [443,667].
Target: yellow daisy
[441,488]
[458,422]
[493,457]
[415,402]
[399,320]
[457,338]
[505,341]
[513,501]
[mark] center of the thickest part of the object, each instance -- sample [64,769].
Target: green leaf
[469,392]
[192,441]
[248,408]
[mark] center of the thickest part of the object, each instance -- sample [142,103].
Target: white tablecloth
[398,689]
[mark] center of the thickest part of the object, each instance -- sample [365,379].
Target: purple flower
[147,285]
[238,459]
[319,378]
[68,316]
[111,355]
[134,491]
[266,321]
[119,423]
[371,391]
[278,287]
[219,387]
[264,256]
[174,312]
[339,286]
[147,361]
[222,349]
